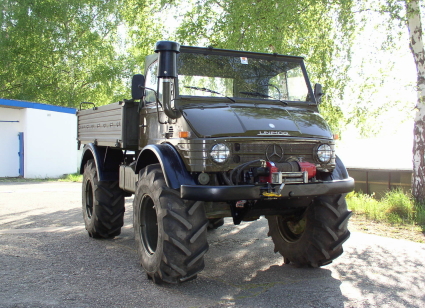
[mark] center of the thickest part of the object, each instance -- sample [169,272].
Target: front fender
[172,165]
[107,161]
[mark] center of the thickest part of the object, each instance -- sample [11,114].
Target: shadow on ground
[69,269]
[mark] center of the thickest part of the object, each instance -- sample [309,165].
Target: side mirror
[137,86]
[318,92]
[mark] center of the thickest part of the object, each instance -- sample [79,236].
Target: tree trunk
[417,47]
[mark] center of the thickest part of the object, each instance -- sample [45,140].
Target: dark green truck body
[239,132]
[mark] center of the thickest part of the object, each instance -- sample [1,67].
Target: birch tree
[414,24]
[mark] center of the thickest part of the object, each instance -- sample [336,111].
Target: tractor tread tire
[108,205]
[325,232]
[182,225]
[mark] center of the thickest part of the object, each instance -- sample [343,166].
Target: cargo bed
[114,125]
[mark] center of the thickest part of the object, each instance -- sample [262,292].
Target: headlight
[220,153]
[324,153]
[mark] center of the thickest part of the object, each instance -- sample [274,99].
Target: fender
[107,161]
[339,173]
[343,173]
[172,165]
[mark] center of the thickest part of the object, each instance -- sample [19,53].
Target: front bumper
[255,192]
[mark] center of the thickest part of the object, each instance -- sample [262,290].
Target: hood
[234,121]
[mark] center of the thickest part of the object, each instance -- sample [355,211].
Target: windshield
[240,77]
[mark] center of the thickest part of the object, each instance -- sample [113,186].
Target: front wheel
[315,236]
[170,233]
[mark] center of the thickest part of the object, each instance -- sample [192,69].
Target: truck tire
[313,237]
[170,232]
[103,204]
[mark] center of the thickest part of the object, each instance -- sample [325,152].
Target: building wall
[9,142]
[50,143]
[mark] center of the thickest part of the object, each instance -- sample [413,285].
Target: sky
[394,100]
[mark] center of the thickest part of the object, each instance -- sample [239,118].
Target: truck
[212,133]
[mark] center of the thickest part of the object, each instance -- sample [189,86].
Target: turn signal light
[184,134]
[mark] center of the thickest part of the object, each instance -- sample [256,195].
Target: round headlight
[324,153]
[220,153]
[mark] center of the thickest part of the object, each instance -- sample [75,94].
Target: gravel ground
[48,260]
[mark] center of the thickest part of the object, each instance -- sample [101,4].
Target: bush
[396,207]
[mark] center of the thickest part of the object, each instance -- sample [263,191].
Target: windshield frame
[254,55]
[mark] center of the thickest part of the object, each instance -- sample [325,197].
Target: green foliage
[66,52]
[61,52]
[144,29]
[396,207]
[301,28]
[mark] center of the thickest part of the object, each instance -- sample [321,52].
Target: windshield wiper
[209,91]
[257,94]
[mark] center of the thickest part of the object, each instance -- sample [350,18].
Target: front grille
[249,151]
[196,153]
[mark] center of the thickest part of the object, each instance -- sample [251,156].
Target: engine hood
[259,120]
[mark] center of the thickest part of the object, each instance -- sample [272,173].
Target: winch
[287,172]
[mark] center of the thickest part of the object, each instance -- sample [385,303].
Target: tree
[414,24]
[317,30]
[407,14]
[61,52]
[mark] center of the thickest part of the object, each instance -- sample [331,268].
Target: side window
[151,82]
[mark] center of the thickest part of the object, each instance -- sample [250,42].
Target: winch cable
[240,168]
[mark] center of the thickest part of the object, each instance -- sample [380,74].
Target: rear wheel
[314,237]
[103,204]
[170,232]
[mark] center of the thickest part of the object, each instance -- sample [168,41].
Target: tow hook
[271,193]
[239,210]
[240,204]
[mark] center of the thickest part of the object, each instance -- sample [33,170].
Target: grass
[395,207]
[74,177]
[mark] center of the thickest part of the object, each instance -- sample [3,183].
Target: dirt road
[48,260]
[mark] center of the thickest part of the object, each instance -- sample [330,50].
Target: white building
[37,140]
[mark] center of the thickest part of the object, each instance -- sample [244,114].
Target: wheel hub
[292,228]
[148,225]
[89,199]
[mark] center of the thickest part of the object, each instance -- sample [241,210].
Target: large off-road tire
[103,204]
[313,237]
[170,232]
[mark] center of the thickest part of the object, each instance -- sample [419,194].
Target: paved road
[47,260]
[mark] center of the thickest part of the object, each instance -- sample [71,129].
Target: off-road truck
[208,134]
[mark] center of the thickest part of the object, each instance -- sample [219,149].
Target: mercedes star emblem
[274,153]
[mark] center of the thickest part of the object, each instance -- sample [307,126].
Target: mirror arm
[157,102]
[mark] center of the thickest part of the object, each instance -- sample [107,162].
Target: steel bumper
[253,192]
